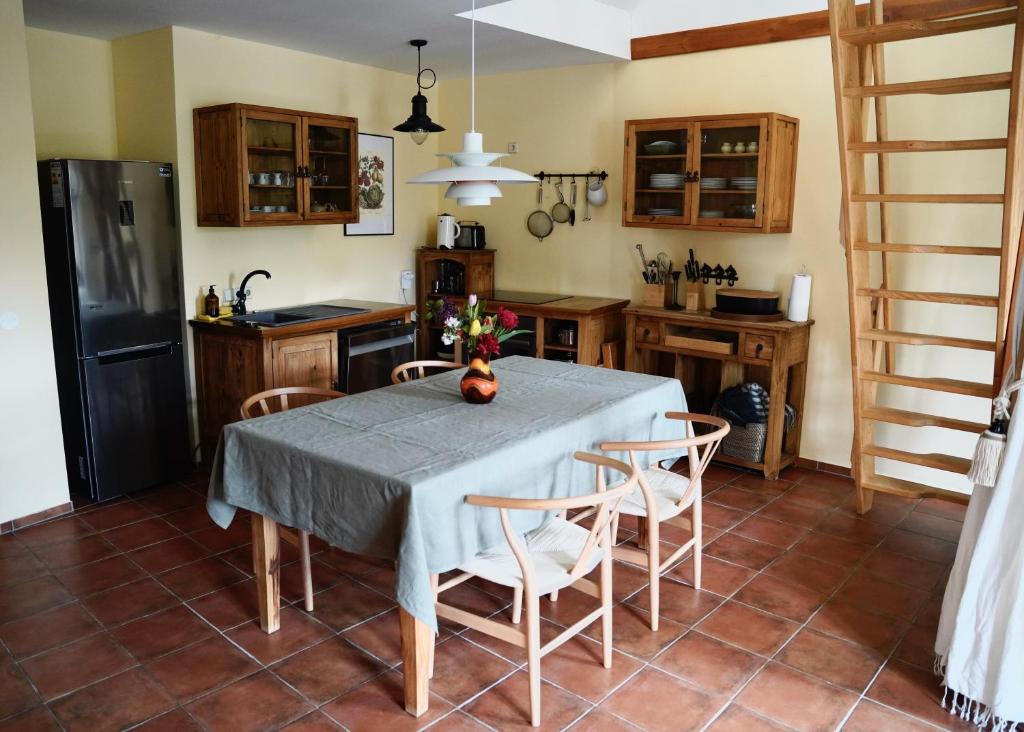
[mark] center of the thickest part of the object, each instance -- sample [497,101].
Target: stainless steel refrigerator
[112,266]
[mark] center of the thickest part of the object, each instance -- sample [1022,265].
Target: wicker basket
[747,442]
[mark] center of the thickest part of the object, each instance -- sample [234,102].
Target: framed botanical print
[375,177]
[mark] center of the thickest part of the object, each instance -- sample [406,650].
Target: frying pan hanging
[539,223]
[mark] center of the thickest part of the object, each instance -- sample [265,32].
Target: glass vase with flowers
[481,336]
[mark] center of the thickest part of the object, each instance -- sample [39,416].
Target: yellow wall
[144,96]
[572,119]
[72,95]
[31,453]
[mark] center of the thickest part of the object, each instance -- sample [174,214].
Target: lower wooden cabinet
[234,362]
[306,360]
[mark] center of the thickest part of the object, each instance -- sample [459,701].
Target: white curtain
[980,643]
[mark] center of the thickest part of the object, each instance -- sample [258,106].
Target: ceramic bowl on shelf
[661,147]
[712,214]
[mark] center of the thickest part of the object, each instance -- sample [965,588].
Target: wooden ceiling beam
[795,27]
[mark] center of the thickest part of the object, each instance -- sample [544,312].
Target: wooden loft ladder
[861,92]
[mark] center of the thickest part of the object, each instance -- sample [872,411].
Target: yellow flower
[474,328]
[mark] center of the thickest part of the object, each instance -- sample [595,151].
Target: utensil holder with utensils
[658,295]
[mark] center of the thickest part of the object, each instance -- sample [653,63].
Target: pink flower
[472,301]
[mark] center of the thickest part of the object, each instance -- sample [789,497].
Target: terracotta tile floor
[140,613]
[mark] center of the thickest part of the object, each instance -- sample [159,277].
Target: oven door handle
[382,345]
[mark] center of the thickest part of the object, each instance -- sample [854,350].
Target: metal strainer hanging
[539,222]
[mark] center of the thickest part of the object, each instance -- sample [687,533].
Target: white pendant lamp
[472,181]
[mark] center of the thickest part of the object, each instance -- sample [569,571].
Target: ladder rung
[909,489]
[929,460]
[919,419]
[870,246]
[927,197]
[924,339]
[902,146]
[950,386]
[951,298]
[957,85]
[905,30]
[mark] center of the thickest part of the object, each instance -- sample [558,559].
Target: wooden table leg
[417,644]
[266,565]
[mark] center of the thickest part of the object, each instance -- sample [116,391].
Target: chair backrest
[607,502]
[698,458]
[276,400]
[418,369]
[610,354]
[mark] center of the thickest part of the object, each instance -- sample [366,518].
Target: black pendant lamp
[419,124]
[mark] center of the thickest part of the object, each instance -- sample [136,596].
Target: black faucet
[239,307]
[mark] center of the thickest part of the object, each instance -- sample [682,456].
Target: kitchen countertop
[705,318]
[376,312]
[573,305]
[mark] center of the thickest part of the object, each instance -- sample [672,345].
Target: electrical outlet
[405,279]
[513,148]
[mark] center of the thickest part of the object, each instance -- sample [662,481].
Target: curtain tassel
[988,453]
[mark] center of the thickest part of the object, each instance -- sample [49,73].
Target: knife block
[694,296]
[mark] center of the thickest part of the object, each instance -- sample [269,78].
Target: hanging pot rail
[550,176]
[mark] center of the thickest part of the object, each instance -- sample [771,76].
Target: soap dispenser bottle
[211,304]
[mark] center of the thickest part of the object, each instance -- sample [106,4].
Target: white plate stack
[666,180]
[664,212]
[713,184]
[748,183]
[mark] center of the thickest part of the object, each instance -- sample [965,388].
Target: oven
[368,354]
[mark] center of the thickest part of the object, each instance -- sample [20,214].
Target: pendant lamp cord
[472,69]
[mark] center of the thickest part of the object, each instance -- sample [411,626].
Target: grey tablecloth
[385,472]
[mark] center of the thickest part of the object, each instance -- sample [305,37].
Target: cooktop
[527,298]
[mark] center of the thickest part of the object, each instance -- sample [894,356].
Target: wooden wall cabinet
[266,166]
[688,173]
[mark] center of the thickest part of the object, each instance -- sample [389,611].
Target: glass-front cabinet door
[272,155]
[331,158]
[731,166]
[657,172]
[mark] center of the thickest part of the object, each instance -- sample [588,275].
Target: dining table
[385,473]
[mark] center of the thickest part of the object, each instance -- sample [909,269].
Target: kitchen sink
[305,313]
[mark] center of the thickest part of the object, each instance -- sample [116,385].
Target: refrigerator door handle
[164,348]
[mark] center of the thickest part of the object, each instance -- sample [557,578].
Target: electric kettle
[447,231]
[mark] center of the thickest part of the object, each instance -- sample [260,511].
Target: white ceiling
[512,34]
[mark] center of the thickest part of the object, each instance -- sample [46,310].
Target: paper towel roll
[799,298]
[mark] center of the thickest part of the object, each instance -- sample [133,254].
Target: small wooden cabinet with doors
[728,173]
[265,166]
